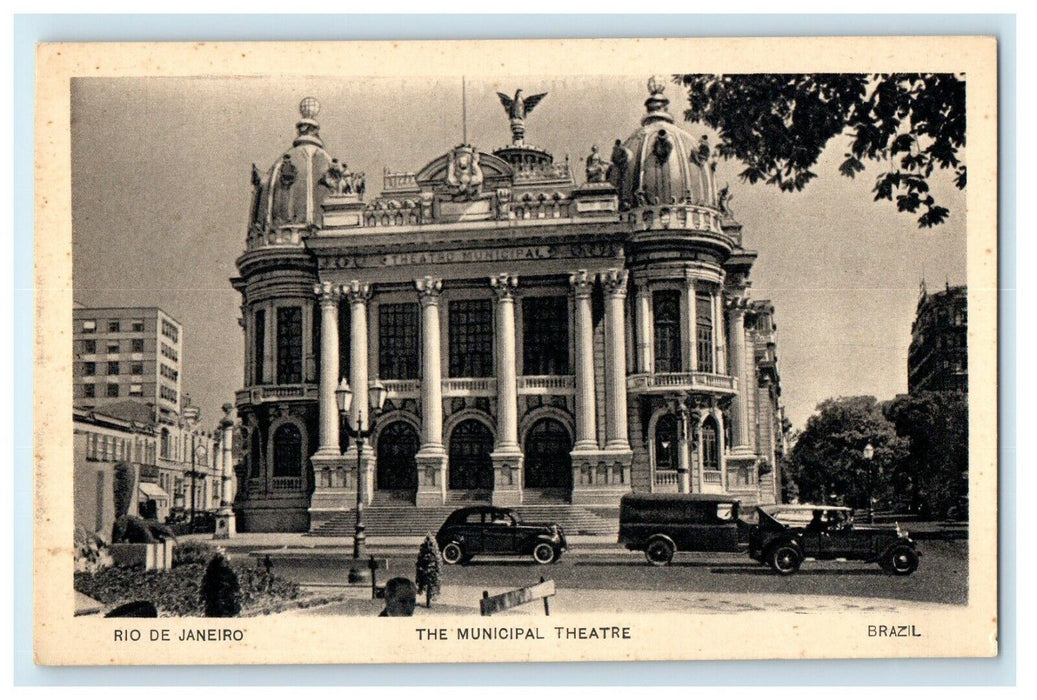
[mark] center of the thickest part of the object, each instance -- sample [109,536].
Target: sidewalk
[464,600]
[250,541]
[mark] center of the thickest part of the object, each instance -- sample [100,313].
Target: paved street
[607,578]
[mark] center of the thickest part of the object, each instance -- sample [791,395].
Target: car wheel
[901,561]
[659,552]
[452,553]
[785,559]
[543,553]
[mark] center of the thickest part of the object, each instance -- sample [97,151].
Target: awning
[153,491]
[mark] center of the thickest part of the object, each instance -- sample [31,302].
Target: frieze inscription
[446,257]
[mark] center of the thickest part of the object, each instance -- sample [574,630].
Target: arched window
[397,445]
[165,443]
[288,451]
[470,465]
[666,448]
[548,463]
[710,451]
[667,315]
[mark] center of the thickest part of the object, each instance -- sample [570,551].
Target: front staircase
[387,518]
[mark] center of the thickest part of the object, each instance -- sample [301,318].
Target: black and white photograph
[616,352]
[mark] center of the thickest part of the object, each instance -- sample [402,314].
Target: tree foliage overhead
[828,457]
[778,125]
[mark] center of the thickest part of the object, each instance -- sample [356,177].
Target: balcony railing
[287,483]
[470,386]
[681,381]
[402,388]
[547,384]
[710,476]
[665,478]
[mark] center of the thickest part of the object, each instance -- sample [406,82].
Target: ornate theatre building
[540,339]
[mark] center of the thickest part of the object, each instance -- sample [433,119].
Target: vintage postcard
[556,350]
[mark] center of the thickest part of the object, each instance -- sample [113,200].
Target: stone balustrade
[470,386]
[662,382]
[547,384]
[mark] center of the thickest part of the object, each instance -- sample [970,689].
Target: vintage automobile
[492,530]
[661,524]
[786,535]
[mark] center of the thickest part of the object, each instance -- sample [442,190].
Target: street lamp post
[359,571]
[869,455]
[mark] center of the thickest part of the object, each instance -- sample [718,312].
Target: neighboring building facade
[127,353]
[162,457]
[938,357]
[540,340]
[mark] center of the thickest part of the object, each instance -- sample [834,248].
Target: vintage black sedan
[468,532]
[786,535]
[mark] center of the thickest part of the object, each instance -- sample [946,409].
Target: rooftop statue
[597,168]
[519,106]
[463,172]
[517,109]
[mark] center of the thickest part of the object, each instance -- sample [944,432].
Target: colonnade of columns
[507,451]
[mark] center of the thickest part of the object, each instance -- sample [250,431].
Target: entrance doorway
[470,464]
[548,464]
[397,469]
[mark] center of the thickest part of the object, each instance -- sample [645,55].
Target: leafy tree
[828,457]
[778,125]
[427,574]
[221,592]
[936,428]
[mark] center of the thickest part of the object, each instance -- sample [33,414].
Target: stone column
[645,349]
[225,522]
[683,451]
[507,455]
[431,458]
[691,307]
[719,335]
[614,282]
[736,346]
[329,295]
[586,428]
[358,294]
[269,344]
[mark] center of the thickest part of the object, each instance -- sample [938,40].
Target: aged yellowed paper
[560,301]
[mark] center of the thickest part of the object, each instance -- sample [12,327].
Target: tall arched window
[666,454]
[165,443]
[710,450]
[288,451]
[667,314]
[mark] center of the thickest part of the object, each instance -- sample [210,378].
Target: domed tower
[280,318]
[690,380]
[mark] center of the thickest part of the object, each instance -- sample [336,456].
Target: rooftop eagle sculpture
[519,106]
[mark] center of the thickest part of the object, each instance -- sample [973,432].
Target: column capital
[328,293]
[615,281]
[582,283]
[429,289]
[356,292]
[504,286]
[737,305]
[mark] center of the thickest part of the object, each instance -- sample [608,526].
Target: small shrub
[193,552]
[427,572]
[221,593]
[134,530]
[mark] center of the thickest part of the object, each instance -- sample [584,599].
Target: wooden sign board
[520,596]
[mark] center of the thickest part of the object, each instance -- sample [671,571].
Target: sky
[161,183]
